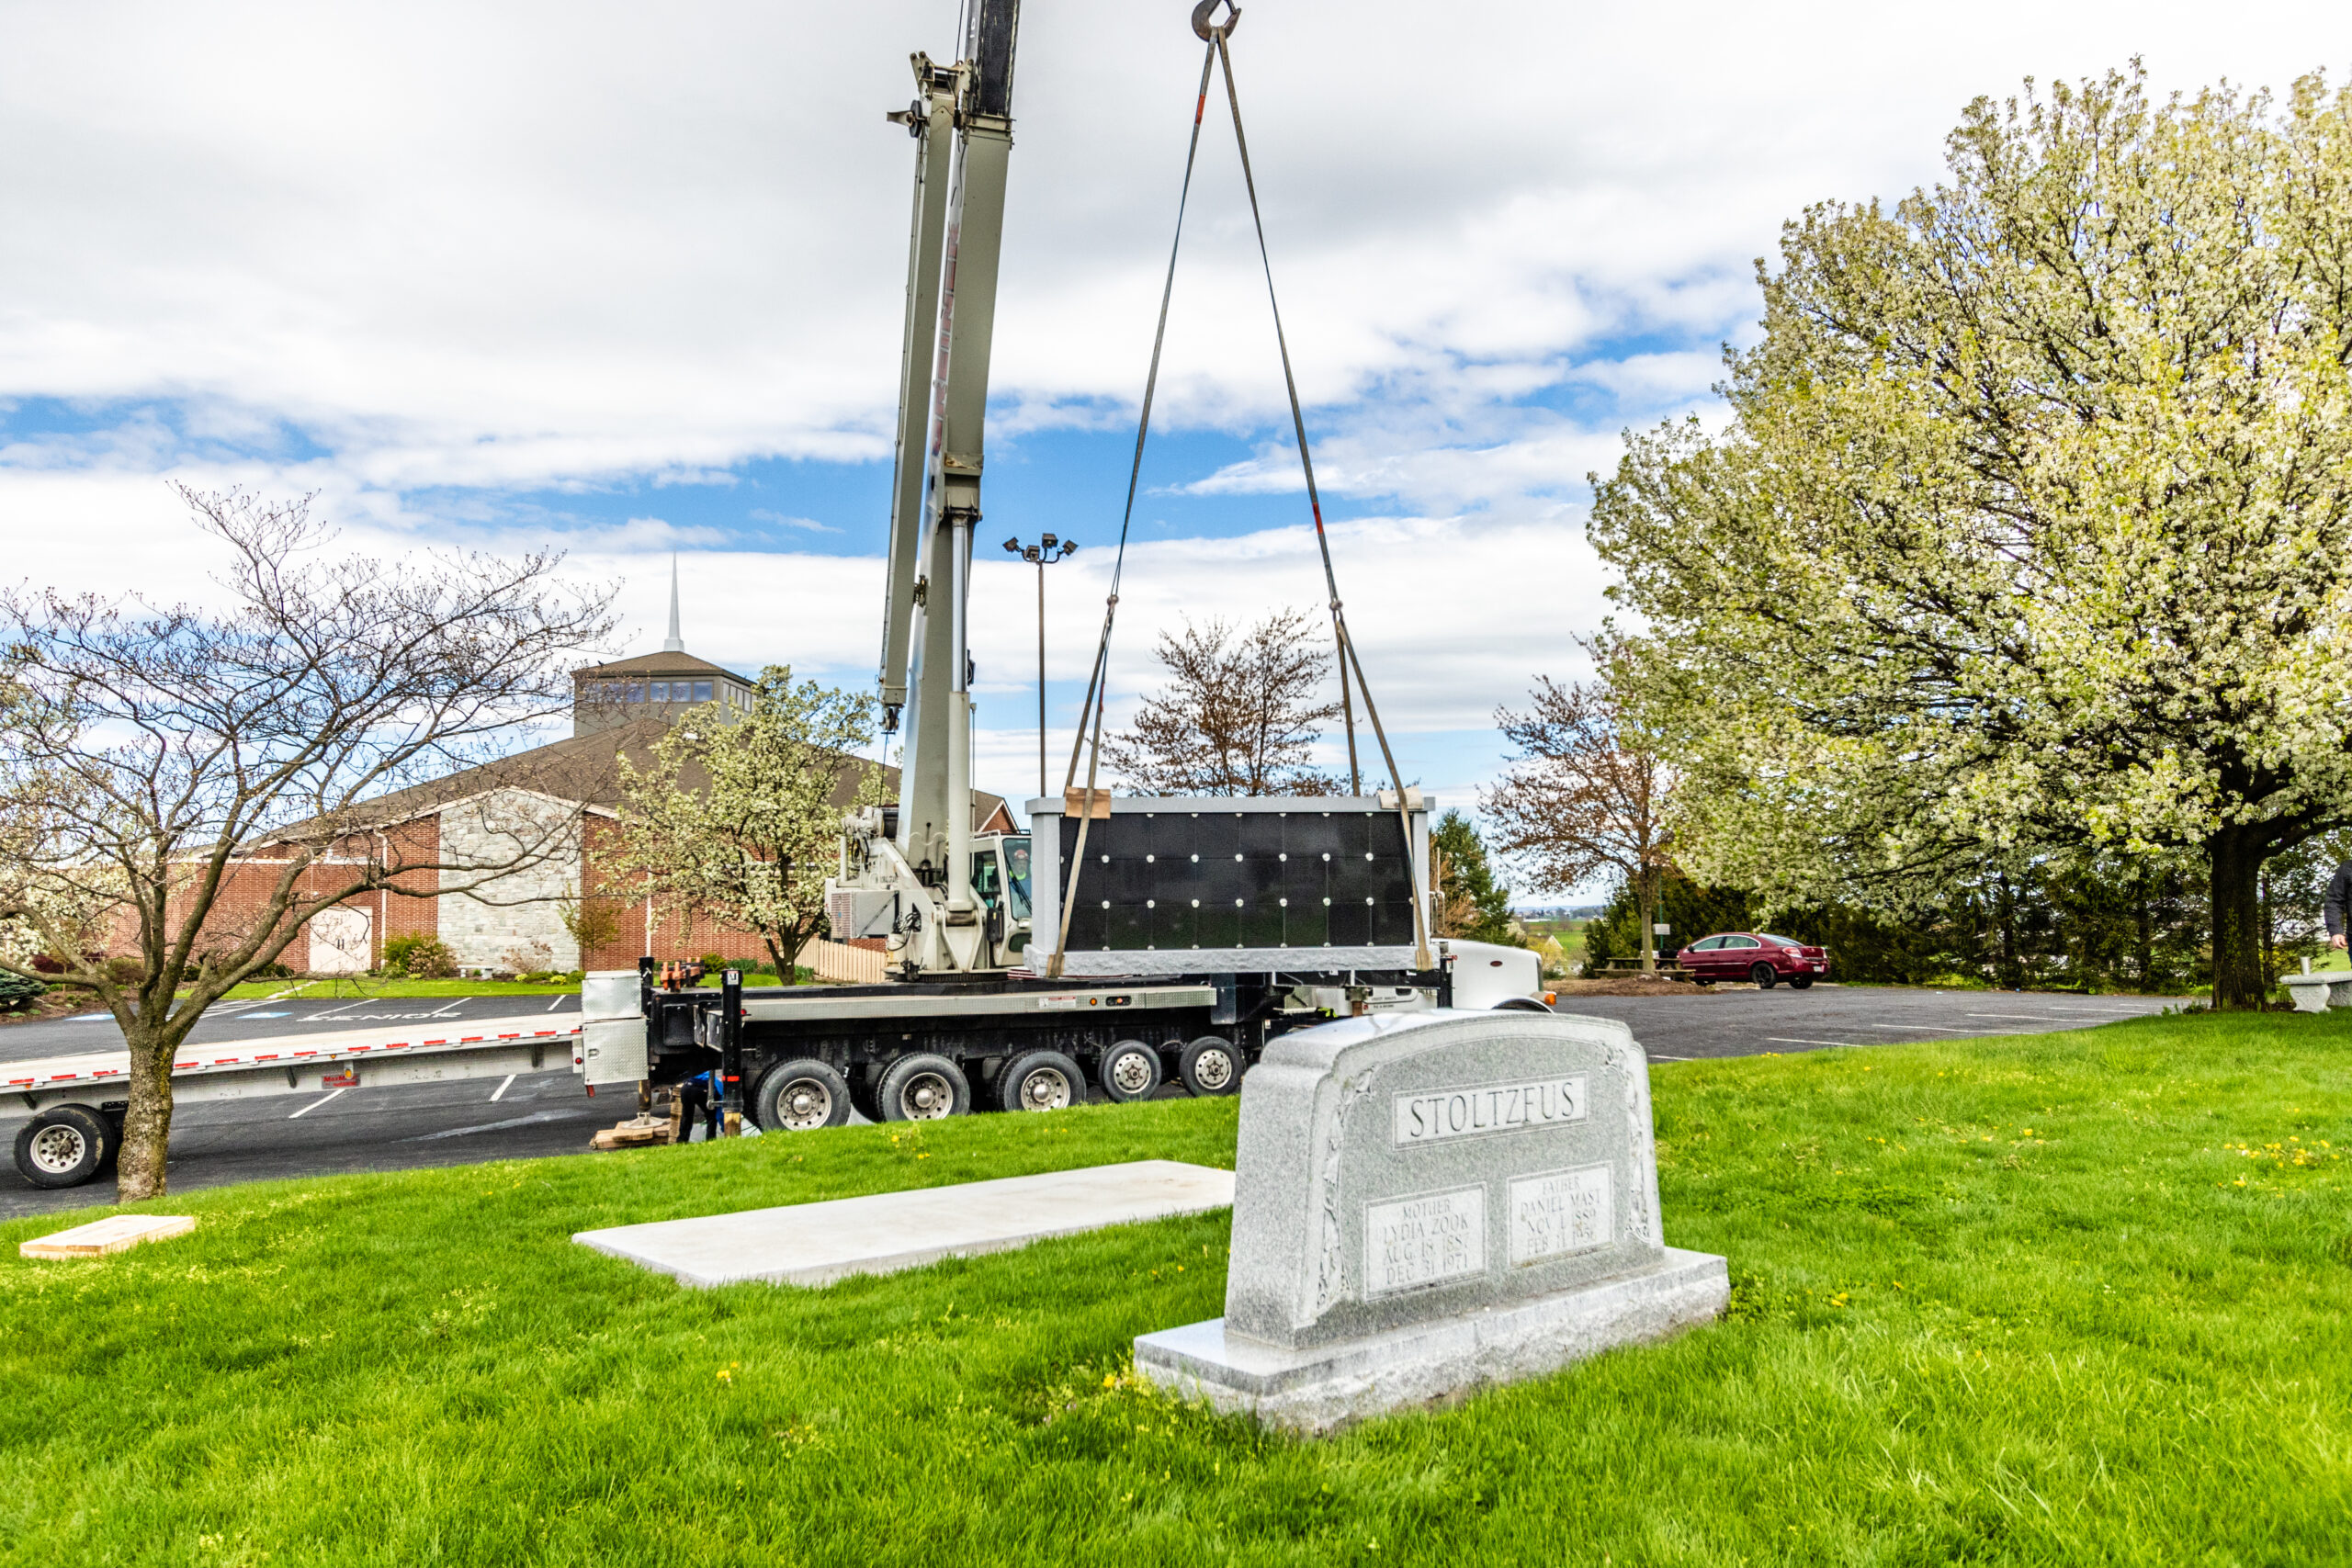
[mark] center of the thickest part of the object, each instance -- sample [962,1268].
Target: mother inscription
[1427,1201]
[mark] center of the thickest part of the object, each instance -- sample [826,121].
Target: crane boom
[962,122]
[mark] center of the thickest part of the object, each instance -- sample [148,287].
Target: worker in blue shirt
[699,1097]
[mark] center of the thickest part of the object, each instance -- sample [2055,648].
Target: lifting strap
[1096,695]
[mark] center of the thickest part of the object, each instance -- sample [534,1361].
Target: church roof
[583,768]
[658,664]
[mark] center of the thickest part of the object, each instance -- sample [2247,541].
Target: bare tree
[200,785]
[1239,717]
[1581,796]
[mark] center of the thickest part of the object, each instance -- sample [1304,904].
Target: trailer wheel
[1130,1072]
[924,1088]
[1040,1080]
[1210,1067]
[800,1097]
[65,1146]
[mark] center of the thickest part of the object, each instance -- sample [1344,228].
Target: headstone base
[1327,1386]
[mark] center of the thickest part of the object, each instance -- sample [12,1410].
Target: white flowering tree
[2031,529]
[740,819]
[184,789]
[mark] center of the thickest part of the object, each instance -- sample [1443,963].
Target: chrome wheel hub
[805,1105]
[57,1150]
[1132,1072]
[1045,1089]
[926,1098]
[1214,1069]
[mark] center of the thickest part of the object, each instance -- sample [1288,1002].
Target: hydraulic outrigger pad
[1205,30]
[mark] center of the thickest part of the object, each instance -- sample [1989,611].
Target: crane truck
[1197,928]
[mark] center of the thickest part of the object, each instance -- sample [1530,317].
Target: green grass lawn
[2068,1297]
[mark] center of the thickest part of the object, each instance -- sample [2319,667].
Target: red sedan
[1753,955]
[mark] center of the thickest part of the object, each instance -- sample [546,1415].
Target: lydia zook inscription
[1429,1118]
[1424,1241]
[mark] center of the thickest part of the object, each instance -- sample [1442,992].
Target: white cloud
[783,521]
[478,251]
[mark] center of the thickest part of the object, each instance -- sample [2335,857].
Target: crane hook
[1205,30]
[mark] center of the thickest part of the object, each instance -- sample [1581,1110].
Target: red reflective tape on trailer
[271,1057]
[18,1083]
[61,1078]
[516,1036]
[425,1042]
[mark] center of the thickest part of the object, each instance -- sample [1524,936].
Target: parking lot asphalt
[1743,1021]
[541,1114]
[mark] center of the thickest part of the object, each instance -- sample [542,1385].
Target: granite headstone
[1429,1202]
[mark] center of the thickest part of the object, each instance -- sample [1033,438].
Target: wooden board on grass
[115,1232]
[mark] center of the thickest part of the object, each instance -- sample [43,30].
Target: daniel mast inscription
[1560,1213]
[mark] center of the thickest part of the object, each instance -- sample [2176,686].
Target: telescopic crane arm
[962,122]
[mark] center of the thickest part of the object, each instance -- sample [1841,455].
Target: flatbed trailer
[76,1103]
[803,1057]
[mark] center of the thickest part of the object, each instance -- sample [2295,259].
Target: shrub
[126,971]
[420,958]
[712,963]
[49,964]
[20,991]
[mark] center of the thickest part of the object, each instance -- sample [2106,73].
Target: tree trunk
[2239,981]
[1646,897]
[2146,932]
[147,1124]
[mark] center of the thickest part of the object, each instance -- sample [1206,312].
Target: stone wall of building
[516,922]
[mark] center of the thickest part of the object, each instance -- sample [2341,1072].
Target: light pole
[1042,554]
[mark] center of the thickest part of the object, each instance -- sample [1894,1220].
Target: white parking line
[1785,1040]
[1660,1057]
[1923,1028]
[557,1003]
[316,1103]
[502,1089]
[2035,1017]
[492,1126]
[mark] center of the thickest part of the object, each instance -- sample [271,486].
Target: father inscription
[1426,1202]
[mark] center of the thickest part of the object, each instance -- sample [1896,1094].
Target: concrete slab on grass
[115,1232]
[816,1244]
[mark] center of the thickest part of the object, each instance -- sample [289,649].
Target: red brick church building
[567,792]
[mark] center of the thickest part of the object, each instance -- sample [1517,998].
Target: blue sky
[631,282]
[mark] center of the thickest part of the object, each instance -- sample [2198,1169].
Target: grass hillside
[2070,1298]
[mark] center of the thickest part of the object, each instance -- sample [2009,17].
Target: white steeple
[676,643]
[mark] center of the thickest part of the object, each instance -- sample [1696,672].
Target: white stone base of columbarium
[1322,1387]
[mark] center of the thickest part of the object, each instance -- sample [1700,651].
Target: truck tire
[1210,1067]
[65,1146]
[1130,1072]
[1040,1080]
[924,1088]
[800,1097]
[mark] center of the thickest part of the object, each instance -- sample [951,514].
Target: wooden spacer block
[115,1232]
